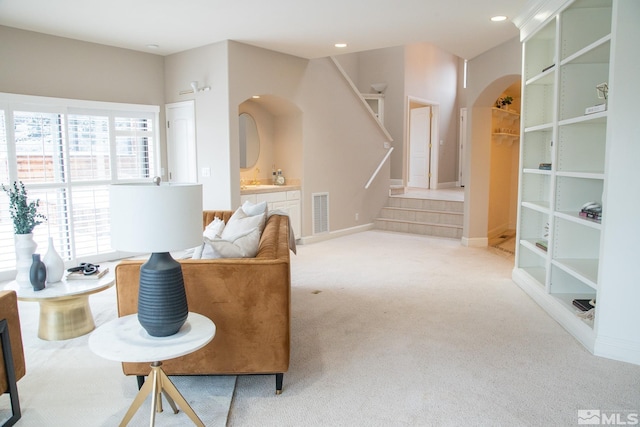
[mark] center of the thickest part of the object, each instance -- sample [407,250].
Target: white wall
[208,65]
[43,65]
[432,74]
[386,66]
[320,133]
[488,76]
[419,70]
[342,148]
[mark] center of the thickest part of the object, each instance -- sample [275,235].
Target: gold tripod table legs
[158,383]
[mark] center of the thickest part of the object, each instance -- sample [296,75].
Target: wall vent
[320,207]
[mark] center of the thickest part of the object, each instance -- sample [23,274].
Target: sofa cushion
[240,222]
[214,229]
[252,209]
[238,238]
[244,245]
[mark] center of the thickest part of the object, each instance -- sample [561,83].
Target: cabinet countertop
[257,189]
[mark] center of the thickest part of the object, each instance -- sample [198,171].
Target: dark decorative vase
[37,273]
[162,301]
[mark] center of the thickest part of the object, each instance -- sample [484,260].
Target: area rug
[67,385]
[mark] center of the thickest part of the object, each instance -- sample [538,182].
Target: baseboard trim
[475,242]
[559,312]
[617,349]
[334,234]
[441,185]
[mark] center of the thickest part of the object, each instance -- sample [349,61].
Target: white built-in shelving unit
[565,58]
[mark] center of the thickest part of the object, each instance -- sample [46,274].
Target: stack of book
[79,275]
[542,244]
[592,212]
[584,304]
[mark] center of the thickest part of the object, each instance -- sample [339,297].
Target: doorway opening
[504,161]
[181,142]
[421,170]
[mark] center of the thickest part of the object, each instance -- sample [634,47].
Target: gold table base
[65,318]
[158,383]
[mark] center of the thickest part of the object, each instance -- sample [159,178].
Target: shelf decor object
[25,217]
[158,218]
[54,263]
[37,273]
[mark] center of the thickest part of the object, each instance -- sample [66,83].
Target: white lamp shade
[152,218]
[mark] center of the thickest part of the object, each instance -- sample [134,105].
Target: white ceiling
[297,27]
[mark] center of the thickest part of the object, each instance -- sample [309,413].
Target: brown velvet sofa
[248,299]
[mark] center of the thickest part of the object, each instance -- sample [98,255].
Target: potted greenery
[25,217]
[503,102]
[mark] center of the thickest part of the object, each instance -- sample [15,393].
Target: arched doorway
[479,161]
[503,175]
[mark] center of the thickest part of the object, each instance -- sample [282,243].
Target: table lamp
[158,218]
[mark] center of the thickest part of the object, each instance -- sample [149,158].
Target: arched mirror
[249,141]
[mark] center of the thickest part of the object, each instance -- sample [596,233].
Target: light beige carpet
[66,385]
[403,330]
[387,330]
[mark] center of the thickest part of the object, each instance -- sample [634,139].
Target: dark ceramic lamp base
[162,301]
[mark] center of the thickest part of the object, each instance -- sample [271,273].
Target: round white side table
[125,340]
[64,306]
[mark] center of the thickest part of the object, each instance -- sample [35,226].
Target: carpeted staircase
[432,217]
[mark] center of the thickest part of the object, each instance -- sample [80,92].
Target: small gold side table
[64,306]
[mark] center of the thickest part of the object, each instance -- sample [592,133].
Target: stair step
[395,190]
[423,216]
[425,204]
[416,227]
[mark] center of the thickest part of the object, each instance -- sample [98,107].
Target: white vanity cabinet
[287,201]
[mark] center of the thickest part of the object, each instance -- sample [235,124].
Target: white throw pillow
[244,245]
[197,251]
[214,229]
[254,209]
[240,223]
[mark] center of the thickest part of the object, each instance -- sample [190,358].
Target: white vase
[25,247]
[54,263]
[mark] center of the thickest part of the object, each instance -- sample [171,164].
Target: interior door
[419,147]
[181,142]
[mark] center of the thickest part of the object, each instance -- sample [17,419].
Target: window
[67,153]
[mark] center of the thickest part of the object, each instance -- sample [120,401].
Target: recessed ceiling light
[152,46]
[340,45]
[499,18]
[256,96]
